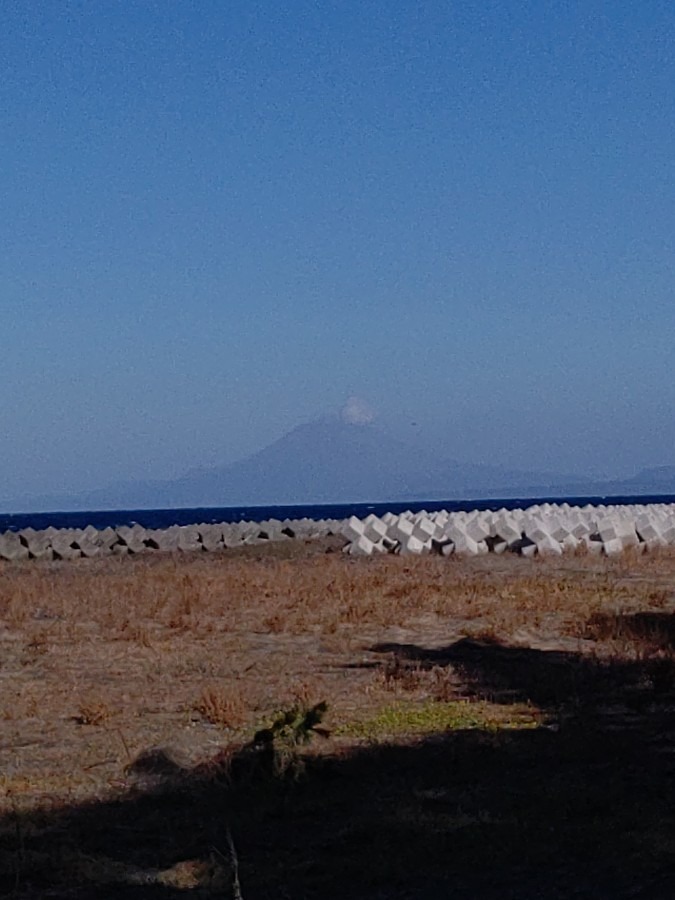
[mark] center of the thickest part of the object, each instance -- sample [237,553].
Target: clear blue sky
[219,219]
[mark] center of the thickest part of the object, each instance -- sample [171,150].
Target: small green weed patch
[405,718]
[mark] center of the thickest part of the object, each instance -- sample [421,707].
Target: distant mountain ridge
[334,462]
[660,476]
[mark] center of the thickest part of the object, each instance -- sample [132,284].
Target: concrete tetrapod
[211,537]
[188,538]
[352,529]
[413,545]
[11,547]
[63,545]
[363,546]
[133,538]
[165,539]
[88,547]
[375,529]
[39,543]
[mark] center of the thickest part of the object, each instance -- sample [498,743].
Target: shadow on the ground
[581,808]
[652,630]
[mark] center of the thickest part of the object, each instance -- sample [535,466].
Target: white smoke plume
[357,412]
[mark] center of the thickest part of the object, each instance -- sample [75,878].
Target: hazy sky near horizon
[222,219]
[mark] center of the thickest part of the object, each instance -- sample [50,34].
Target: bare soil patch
[498,726]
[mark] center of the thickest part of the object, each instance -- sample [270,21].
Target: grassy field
[493,727]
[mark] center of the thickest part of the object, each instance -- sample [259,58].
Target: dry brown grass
[224,707]
[101,660]
[162,649]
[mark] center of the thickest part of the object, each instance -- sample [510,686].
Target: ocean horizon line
[166,517]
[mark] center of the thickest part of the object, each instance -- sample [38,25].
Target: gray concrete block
[375,529]
[442,547]
[39,543]
[11,547]
[232,536]
[164,539]
[548,546]
[506,529]
[454,530]
[613,546]
[276,524]
[524,547]
[401,530]
[133,537]
[276,534]
[648,528]
[63,545]
[106,538]
[614,528]
[362,546]
[580,528]
[211,537]
[353,529]
[414,546]
[251,529]
[558,530]
[477,529]
[570,542]
[89,548]
[188,539]
[593,544]
[536,530]
[424,530]
[466,546]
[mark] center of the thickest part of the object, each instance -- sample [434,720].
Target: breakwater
[539,529]
[73,543]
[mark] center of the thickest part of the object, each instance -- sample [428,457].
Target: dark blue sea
[163,518]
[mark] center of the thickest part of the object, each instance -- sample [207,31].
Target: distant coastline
[328,463]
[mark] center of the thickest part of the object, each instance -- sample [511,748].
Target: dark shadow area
[580,808]
[654,631]
[566,683]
